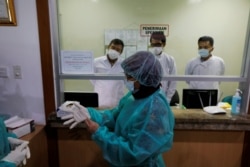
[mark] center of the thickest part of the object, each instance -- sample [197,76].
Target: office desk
[200,139]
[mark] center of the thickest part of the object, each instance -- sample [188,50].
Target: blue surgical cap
[144,67]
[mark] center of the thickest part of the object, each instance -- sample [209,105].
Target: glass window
[91,24]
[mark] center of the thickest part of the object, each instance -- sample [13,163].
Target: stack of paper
[20,126]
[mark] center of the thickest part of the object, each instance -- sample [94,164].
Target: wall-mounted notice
[148,29]
[77,62]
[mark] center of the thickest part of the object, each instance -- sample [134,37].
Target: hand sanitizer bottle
[236,103]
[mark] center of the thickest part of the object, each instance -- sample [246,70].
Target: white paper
[214,110]
[109,35]
[16,121]
[131,37]
[130,50]
[77,62]
[11,120]
[122,35]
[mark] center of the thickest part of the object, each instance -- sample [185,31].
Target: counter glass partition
[89,25]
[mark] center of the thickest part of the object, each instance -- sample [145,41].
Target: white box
[20,126]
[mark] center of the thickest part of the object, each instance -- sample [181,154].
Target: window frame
[243,79]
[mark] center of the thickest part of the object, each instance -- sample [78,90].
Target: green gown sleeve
[7,164]
[143,129]
[4,145]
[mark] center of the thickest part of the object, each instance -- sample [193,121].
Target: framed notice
[7,13]
[77,62]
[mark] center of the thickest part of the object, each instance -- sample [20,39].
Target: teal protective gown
[4,145]
[136,132]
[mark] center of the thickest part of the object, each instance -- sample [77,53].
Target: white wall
[82,25]
[19,45]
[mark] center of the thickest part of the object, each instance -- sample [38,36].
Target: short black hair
[158,35]
[117,41]
[206,38]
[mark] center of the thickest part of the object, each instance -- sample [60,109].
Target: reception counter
[38,147]
[200,139]
[197,119]
[191,119]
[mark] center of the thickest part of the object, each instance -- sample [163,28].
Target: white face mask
[156,50]
[130,85]
[203,53]
[113,54]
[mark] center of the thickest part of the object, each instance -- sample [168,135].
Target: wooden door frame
[43,20]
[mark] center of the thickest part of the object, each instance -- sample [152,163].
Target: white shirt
[109,91]
[213,66]
[169,68]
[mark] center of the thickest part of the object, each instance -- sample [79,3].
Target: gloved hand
[19,155]
[77,114]
[14,142]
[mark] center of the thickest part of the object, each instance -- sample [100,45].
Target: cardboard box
[20,126]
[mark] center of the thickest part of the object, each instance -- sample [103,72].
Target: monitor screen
[87,99]
[199,98]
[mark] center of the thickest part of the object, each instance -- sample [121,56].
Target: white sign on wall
[77,62]
[148,29]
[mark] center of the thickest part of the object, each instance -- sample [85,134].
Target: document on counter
[20,126]
[77,62]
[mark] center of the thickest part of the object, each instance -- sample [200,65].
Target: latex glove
[19,155]
[14,142]
[78,113]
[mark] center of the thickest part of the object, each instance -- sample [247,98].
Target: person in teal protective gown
[13,151]
[140,128]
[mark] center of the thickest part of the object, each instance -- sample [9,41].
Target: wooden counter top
[190,119]
[197,119]
[38,147]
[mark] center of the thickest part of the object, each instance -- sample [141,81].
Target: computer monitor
[199,98]
[87,99]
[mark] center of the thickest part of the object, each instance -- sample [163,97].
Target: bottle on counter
[236,102]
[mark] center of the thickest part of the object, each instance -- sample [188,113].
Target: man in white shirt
[205,64]
[109,91]
[157,43]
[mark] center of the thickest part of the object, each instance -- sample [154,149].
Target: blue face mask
[203,53]
[130,85]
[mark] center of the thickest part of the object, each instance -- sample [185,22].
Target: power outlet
[4,72]
[17,72]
